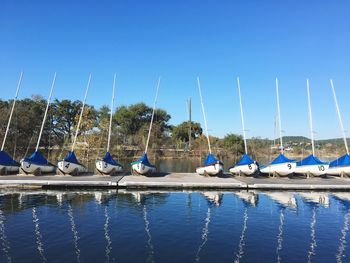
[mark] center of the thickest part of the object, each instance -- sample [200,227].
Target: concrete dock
[177,181]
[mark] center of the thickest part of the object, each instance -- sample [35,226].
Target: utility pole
[189,124]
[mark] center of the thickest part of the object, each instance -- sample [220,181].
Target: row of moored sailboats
[281,165]
[311,165]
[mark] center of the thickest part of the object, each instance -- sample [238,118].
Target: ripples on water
[124,226]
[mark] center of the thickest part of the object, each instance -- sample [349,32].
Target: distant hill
[299,139]
[303,139]
[295,139]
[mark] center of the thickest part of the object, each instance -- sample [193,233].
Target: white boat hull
[247,169]
[107,168]
[339,170]
[279,169]
[31,168]
[5,169]
[314,170]
[71,168]
[143,169]
[210,169]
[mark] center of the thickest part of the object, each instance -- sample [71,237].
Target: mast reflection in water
[155,226]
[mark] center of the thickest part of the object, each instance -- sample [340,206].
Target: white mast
[339,117]
[81,113]
[279,116]
[46,110]
[203,111]
[13,107]
[310,116]
[154,107]
[111,117]
[242,116]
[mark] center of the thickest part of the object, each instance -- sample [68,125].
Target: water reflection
[150,257]
[345,198]
[214,198]
[149,220]
[38,235]
[74,232]
[315,200]
[241,243]
[280,236]
[205,233]
[4,242]
[248,197]
[283,199]
[107,237]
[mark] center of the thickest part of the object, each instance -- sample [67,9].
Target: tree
[180,132]
[64,117]
[233,142]
[134,120]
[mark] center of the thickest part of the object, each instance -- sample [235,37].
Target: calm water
[110,226]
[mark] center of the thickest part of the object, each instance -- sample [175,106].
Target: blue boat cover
[281,159]
[37,158]
[341,161]
[72,158]
[210,160]
[7,160]
[245,160]
[310,160]
[144,160]
[109,159]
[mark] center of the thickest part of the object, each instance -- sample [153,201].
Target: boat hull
[6,169]
[142,169]
[71,168]
[107,168]
[247,169]
[31,168]
[213,169]
[314,170]
[339,170]
[279,169]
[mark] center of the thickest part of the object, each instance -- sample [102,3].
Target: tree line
[129,133]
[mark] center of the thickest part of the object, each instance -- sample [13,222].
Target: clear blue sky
[216,40]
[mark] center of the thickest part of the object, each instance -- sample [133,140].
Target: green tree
[64,117]
[233,143]
[180,132]
[134,120]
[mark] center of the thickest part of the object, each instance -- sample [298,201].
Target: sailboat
[212,166]
[246,165]
[37,163]
[142,166]
[340,166]
[281,165]
[311,165]
[108,165]
[7,163]
[70,164]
